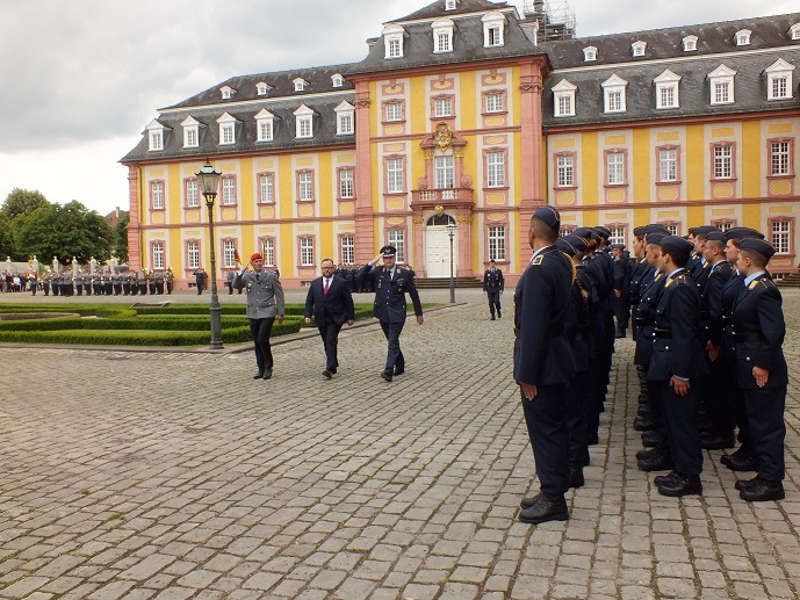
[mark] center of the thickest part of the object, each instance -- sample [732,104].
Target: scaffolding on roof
[556,18]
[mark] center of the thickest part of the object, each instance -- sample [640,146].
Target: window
[794,31]
[348,249]
[589,54]
[443,107]
[158,255]
[261,88]
[228,254]
[564,107]
[494,37]
[672,228]
[724,225]
[723,161]
[346,189]
[444,170]
[616,168]
[306,252]
[228,191]
[614,94]
[394,111]
[639,48]
[192,255]
[781,236]
[721,85]
[443,42]
[266,188]
[304,127]
[394,176]
[564,99]
[780,158]
[226,92]
[494,103]
[300,84]
[493,29]
[394,48]
[190,132]
[442,35]
[690,43]
[497,242]
[345,124]
[743,37]
[496,169]
[667,90]
[227,129]
[617,235]
[228,134]
[397,239]
[305,186]
[157,195]
[157,140]
[565,171]
[269,252]
[779,80]
[192,195]
[337,80]
[265,130]
[668,165]
[450,5]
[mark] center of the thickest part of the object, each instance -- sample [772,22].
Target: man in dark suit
[330,302]
[390,282]
[544,364]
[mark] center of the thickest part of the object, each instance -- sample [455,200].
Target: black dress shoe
[387,375]
[491,318]
[717,442]
[643,423]
[661,479]
[530,501]
[658,462]
[681,485]
[745,483]
[258,375]
[399,370]
[267,373]
[545,509]
[327,374]
[651,439]
[738,462]
[576,477]
[762,491]
[648,453]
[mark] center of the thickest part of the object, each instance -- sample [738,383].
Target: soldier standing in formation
[493,286]
[169,279]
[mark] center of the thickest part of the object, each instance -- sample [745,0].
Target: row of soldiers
[132,283]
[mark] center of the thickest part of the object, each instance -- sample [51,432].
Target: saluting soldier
[761,371]
[493,285]
[391,282]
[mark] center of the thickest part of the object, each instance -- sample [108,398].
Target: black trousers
[330,339]
[494,301]
[261,329]
[767,429]
[721,416]
[546,418]
[394,356]
[680,413]
[579,407]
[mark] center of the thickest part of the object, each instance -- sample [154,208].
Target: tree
[21,202]
[121,237]
[6,239]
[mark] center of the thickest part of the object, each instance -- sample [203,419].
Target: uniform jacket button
[747,358]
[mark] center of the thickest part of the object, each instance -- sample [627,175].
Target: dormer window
[564,99]
[779,80]
[667,90]
[450,5]
[493,29]
[794,31]
[300,84]
[345,118]
[155,136]
[191,128]
[304,122]
[393,41]
[639,48]
[690,43]
[337,80]
[262,88]
[265,126]
[226,92]
[589,54]
[743,37]
[721,85]
[442,36]
[227,129]
[614,94]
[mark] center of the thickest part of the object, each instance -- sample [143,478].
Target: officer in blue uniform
[544,364]
[676,364]
[390,282]
[493,285]
[761,371]
[621,276]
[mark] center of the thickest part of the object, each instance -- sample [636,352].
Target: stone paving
[174,476]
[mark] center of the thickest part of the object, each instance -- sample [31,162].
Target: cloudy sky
[82,78]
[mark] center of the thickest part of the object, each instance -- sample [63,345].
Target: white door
[437,251]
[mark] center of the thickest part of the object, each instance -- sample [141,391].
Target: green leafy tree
[121,238]
[21,202]
[6,239]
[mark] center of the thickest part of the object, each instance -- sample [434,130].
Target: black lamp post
[209,180]
[451,231]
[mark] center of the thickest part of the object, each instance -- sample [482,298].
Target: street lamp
[451,231]
[209,180]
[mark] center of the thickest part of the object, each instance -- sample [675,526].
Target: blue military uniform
[389,307]
[493,285]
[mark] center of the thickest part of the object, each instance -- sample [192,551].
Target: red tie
[327,284]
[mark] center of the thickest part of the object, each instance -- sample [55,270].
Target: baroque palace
[467,112]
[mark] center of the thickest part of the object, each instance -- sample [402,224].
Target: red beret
[256,256]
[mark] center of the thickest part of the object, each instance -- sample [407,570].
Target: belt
[746,336]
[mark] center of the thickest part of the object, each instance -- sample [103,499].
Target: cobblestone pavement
[172,476]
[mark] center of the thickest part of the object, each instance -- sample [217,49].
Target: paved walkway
[173,476]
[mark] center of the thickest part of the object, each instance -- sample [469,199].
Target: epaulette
[681,277]
[537,260]
[756,283]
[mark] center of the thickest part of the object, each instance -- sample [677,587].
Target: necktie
[327,285]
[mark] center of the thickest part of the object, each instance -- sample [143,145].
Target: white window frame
[589,54]
[305,186]
[158,255]
[266,188]
[723,161]
[611,87]
[265,126]
[227,130]
[565,170]
[193,254]
[496,169]
[345,118]
[779,71]
[721,78]
[261,88]
[564,94]
[228,254]
[158,191]
[667,82]
[450,5]
[493,30]
[672,228]
[155,136]
[192,193]
[742,37]
[497,242]
[617,234]
[300,84]
[394,112]
[226,92]
[638,48]
[615,168]
[337,80]
[794,32]
[306,252]
[781,235]
[268,244]
[495,103]
[439,106]
[780,158]
[667,165]
[394,176]
[347,249]
[347,184]
[397,238]
[228,191]
[444,168]
[191,132]
[690,43]
[304,122]
[442,36]
[394,46]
